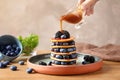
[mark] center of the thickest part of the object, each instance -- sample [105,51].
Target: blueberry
[1,65]
[21,62]
[66,57]
[57,62]
[50,63]
[53,55]
[8,47]
[6,62]
[8,53]
[74,48]
[64,63]
[58,34]
[59,56]
[70,50]
[14,46]
[12,54]
[52,49]
[71,63]
[87,58]
[13,68]
[73,56]
[62,50]
[29,70]
[72,42]
[42,63]
[18,49]
[56,49]
[4,51]
[12,50]
[91,59]
[65,44]
[63,36]
[66,33]
[58,43]
[1,48]
[84,62]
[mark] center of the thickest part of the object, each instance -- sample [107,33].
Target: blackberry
[50,63]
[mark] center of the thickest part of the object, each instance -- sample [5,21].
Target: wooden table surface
[109,71]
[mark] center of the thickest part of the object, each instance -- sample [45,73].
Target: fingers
[87,6]
[81,1]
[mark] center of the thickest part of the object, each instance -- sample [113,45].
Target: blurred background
[23,17]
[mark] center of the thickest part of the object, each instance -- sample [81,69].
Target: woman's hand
[88,6]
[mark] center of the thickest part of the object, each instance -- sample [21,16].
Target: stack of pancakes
[63,50]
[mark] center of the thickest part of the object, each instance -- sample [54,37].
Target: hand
[87,6]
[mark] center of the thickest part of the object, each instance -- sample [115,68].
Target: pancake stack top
[63,50]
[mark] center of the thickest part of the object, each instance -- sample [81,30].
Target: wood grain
[109,71]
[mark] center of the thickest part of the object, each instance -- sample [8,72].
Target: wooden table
[109,71]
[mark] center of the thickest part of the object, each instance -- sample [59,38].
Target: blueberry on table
[6,62]
[29,70]
[59,56]
[2,65]
[13,68]
[42,63]
[21,62]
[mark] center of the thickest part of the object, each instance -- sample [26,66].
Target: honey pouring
[72,17]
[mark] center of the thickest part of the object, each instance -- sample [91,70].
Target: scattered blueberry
[29,70]
[21,62]
[13,68]
[59,56]
[62,50]
[1,65]
[42,63]
[50,63]
[6,62]
[63,36]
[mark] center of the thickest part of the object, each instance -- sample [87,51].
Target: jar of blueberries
[10,48]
